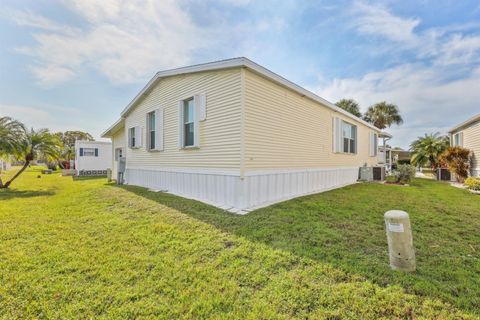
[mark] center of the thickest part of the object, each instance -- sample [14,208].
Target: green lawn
[87,249]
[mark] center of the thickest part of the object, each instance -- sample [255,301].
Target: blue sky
[76,64]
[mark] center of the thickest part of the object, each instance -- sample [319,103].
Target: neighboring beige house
[467,135]
[238,136]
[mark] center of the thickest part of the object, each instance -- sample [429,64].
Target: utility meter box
[121,170]
[400,241]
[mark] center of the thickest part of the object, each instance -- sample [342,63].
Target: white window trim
[137,134]
[342,150]
[199,114]
[158,114]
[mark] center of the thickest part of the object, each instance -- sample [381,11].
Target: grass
[87,249]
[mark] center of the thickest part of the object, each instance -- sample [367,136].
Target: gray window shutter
[201,106]
[337,134]
[81,152]
[96,152]
[180,125]
[159,129]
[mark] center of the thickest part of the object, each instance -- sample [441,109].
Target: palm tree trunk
[7,184]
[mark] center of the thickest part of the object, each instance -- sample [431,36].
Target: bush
[457,159]
[405,173]
[472,183]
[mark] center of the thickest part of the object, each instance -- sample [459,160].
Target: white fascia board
[465,123]
[113,128]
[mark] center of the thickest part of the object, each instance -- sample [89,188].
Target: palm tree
[383,115]
[349,105]
[31,145]
[10,136]
[427,149]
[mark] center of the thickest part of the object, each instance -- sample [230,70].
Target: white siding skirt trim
[228,191]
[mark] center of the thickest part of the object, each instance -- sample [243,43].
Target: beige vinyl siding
[285,130]
[471,140]
[219,133]
[118,141]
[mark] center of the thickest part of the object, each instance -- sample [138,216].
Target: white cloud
[427,100]
[434,91]
[376,20]
[125,41]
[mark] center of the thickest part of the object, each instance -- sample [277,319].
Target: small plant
[472,183]
[405,173]
[457,159]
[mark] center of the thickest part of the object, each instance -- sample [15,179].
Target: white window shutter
[129,134]
[372,143]
[460,139]
[337,134]
[159,129]
[138,137]
[196,127]
[200,101]
[180,125]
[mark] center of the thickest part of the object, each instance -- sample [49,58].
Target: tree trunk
[7,184]
[1,183]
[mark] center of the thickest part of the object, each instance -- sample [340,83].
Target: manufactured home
[238,136]
[92,158]
[467,135]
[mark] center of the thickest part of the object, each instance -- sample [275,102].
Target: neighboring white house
[238,136]
[467,135]
[5,165]
[92,157]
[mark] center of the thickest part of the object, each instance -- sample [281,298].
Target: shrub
[404,173]
[457,160]
[472,183]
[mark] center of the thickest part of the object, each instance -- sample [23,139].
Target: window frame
[352,139]
[456,139]
[87,153]
[186,103]
[131,136]
[151,131]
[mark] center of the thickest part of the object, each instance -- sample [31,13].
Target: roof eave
[114,128]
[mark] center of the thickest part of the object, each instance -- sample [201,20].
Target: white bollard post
[400,241]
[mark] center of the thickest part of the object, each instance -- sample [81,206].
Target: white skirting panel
[255,190]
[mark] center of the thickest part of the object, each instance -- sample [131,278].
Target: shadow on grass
[345,228]
[6,194]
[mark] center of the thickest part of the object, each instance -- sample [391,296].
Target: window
[349,134]
[151,127]
[88,152]
[188,123]
[118,153]
[132,137]
[456,140]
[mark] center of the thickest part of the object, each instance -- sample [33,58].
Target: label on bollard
[395,227]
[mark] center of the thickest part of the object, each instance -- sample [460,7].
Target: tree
[349,105]
[427,149]
[383,115]
[30,145]
[457,160]
[68,139]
